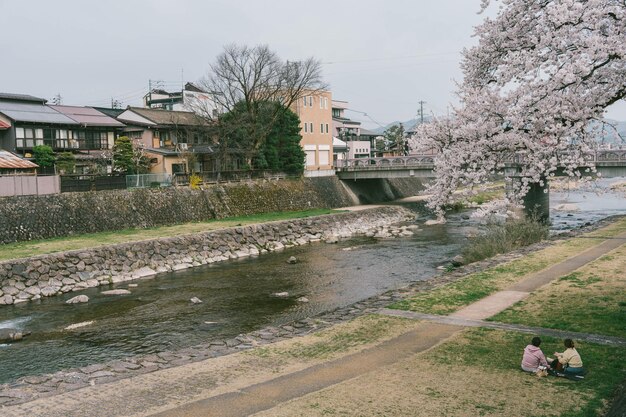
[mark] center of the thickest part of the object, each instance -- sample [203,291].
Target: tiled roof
[169,117]
[22,97]
[32,112]
[4,126]
[87,116]
[9,160]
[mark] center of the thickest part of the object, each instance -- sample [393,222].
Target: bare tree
[252,76]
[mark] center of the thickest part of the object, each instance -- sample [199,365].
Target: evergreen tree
[43,155]
[127,159]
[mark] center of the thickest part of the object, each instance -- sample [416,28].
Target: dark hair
[536,341]
[569,343]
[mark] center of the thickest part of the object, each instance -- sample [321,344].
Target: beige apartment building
[316,123]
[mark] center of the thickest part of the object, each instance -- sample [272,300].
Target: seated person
[533,357]
[570,359]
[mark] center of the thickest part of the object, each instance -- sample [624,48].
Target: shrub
[195,181]
[503,238]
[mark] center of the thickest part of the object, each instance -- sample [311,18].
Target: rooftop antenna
[57,100]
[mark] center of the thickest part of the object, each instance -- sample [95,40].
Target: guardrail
[600,158]
[230,176]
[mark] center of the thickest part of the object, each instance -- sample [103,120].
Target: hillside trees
[541,74]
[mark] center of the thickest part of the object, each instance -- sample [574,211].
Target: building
[344,128]
[190,98]
[316,121]
[168,138]
[360,142]
[27,121]
[11,164]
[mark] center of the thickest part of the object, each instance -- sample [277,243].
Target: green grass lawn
[40,247]
[490,349]
[451,297]
[590,300]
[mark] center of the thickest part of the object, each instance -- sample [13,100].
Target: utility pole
[421,111]
[115,104]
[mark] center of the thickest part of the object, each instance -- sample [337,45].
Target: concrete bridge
[609,163]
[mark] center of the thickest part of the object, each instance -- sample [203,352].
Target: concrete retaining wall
[42,217]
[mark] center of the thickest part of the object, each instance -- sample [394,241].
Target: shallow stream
[238,295]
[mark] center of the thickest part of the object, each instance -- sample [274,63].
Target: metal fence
[148,180]
[230,176]
[89,182]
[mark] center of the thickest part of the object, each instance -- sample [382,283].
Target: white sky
[381,56]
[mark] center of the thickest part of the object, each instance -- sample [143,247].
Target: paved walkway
[175,392]
[541,331]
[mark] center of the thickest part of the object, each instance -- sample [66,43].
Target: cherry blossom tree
[535,89]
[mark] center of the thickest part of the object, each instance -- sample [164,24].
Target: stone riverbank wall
[47,275]
[41,217]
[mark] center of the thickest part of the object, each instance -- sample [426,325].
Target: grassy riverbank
[477,371]
[454,296]
[41,247]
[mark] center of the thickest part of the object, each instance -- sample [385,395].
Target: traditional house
[26,122]
[11,164]
[172,139]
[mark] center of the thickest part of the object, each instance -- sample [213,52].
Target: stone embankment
[28,279]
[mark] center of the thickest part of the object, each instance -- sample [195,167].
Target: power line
[389,58]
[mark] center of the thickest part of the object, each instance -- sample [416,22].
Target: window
[304,101]
[321,103]
[310,101]
[336,113]
[311,127]
[306,127]
[310,158]
[326,127]
[326,102]
[323,157]
[321,127]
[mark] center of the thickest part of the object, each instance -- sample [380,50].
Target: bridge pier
[537,202]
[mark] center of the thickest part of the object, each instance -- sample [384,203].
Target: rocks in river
[195,300]
[31,279]
[144,272]
[115,292]
[458,260]
[78,299]
[433,222]
[78,325]
[331,239]
[11,335]
[567,207]
[302,300]
[292,260]
[284,294]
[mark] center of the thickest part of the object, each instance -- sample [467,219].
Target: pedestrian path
[540,331]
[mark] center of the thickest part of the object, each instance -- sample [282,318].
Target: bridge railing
[390,162]
[599,158]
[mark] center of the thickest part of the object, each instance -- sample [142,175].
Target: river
[238,295]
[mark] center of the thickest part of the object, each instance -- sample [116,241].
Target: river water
[238,295]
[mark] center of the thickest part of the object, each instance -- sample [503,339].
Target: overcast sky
[383,57]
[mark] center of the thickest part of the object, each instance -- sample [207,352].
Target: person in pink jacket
[533,357]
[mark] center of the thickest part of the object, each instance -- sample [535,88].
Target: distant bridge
[609,163]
